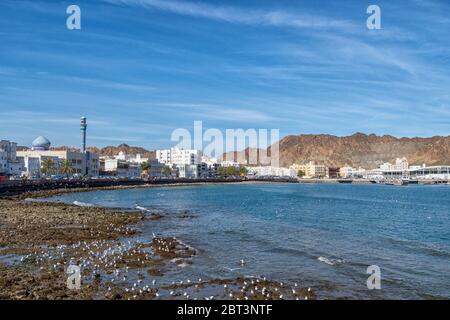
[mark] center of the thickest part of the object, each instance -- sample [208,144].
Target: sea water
[319,235]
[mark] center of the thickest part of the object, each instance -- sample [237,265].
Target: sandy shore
[39,240]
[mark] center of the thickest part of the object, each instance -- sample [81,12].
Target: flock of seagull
[120,265]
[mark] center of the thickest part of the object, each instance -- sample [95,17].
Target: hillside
[359,149]
[112,151]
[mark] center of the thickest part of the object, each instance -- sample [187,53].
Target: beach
[226,241]
[39,240]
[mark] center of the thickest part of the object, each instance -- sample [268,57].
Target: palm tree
[145,166]
[47,166]
[66,168]
[166,171]
[243,171]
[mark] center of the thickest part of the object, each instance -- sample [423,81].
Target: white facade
[227,164]
[210,161]
[31,165]
[156,168]
[15,168]
[3,163]
[82,163]
[179,157]
[350,172]
[131,158]
[122,168]
[9,165]
[188,171]
[347,172]
[311,169]
[268,171]
[401,164]
[10,148]
[164,156]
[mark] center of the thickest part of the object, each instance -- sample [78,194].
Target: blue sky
[138,69]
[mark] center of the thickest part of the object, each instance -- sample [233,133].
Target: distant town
[39,161]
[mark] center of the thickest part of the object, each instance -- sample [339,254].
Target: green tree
[47,166]
[166,171]
[300,173]
[66,167]
[230,171]
[145,166]
[221,172]
[243,171]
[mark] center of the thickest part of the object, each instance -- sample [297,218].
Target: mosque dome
[41,143]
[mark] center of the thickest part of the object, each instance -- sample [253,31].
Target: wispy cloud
[119,139]
[94,82]
[237,115]
[276,18]
[22,117]
[204,111]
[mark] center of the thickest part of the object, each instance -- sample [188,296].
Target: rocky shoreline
[39,240]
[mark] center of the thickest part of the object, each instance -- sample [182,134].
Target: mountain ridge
[358,150]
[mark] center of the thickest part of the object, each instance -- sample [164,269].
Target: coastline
[54,192]
[38,240]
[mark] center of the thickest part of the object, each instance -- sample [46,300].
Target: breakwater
[16,187]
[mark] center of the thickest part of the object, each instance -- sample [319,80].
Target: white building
[311,169]
[227,163]
[31,165]
[120,168]
[129,166]
[210,161]
[188,171]
[164,156]
[350,172]
[3,162]
[179,157]
[82,163]
[268,171]
[401,164]
[131,158]
[156,168]
[9,164]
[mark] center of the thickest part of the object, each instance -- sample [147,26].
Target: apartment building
[83,163]
[9,164]
[311,169]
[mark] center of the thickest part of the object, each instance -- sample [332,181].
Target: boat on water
[345,180]
[401,182]
[396,182]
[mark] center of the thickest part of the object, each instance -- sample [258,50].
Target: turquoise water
[320,235]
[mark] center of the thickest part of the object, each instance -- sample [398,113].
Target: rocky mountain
[368,151]
[111,151]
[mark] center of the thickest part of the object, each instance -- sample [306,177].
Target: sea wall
[16,187]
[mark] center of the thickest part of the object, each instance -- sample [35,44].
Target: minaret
[83,127]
